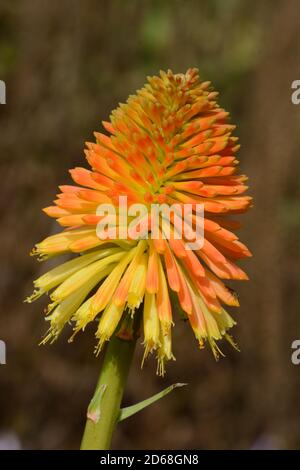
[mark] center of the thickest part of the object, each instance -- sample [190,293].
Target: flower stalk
[104,409]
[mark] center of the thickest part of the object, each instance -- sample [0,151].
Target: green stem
[104,408]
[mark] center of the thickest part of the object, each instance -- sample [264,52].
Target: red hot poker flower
[169,144]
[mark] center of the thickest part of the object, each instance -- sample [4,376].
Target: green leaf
[131,410]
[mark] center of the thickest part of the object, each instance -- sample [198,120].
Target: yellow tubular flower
[171,145]
[151,324]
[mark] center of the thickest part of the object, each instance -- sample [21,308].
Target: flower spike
[169,145]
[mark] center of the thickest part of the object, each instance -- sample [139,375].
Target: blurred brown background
[66,64]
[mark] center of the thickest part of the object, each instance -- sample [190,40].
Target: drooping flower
[169,144]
